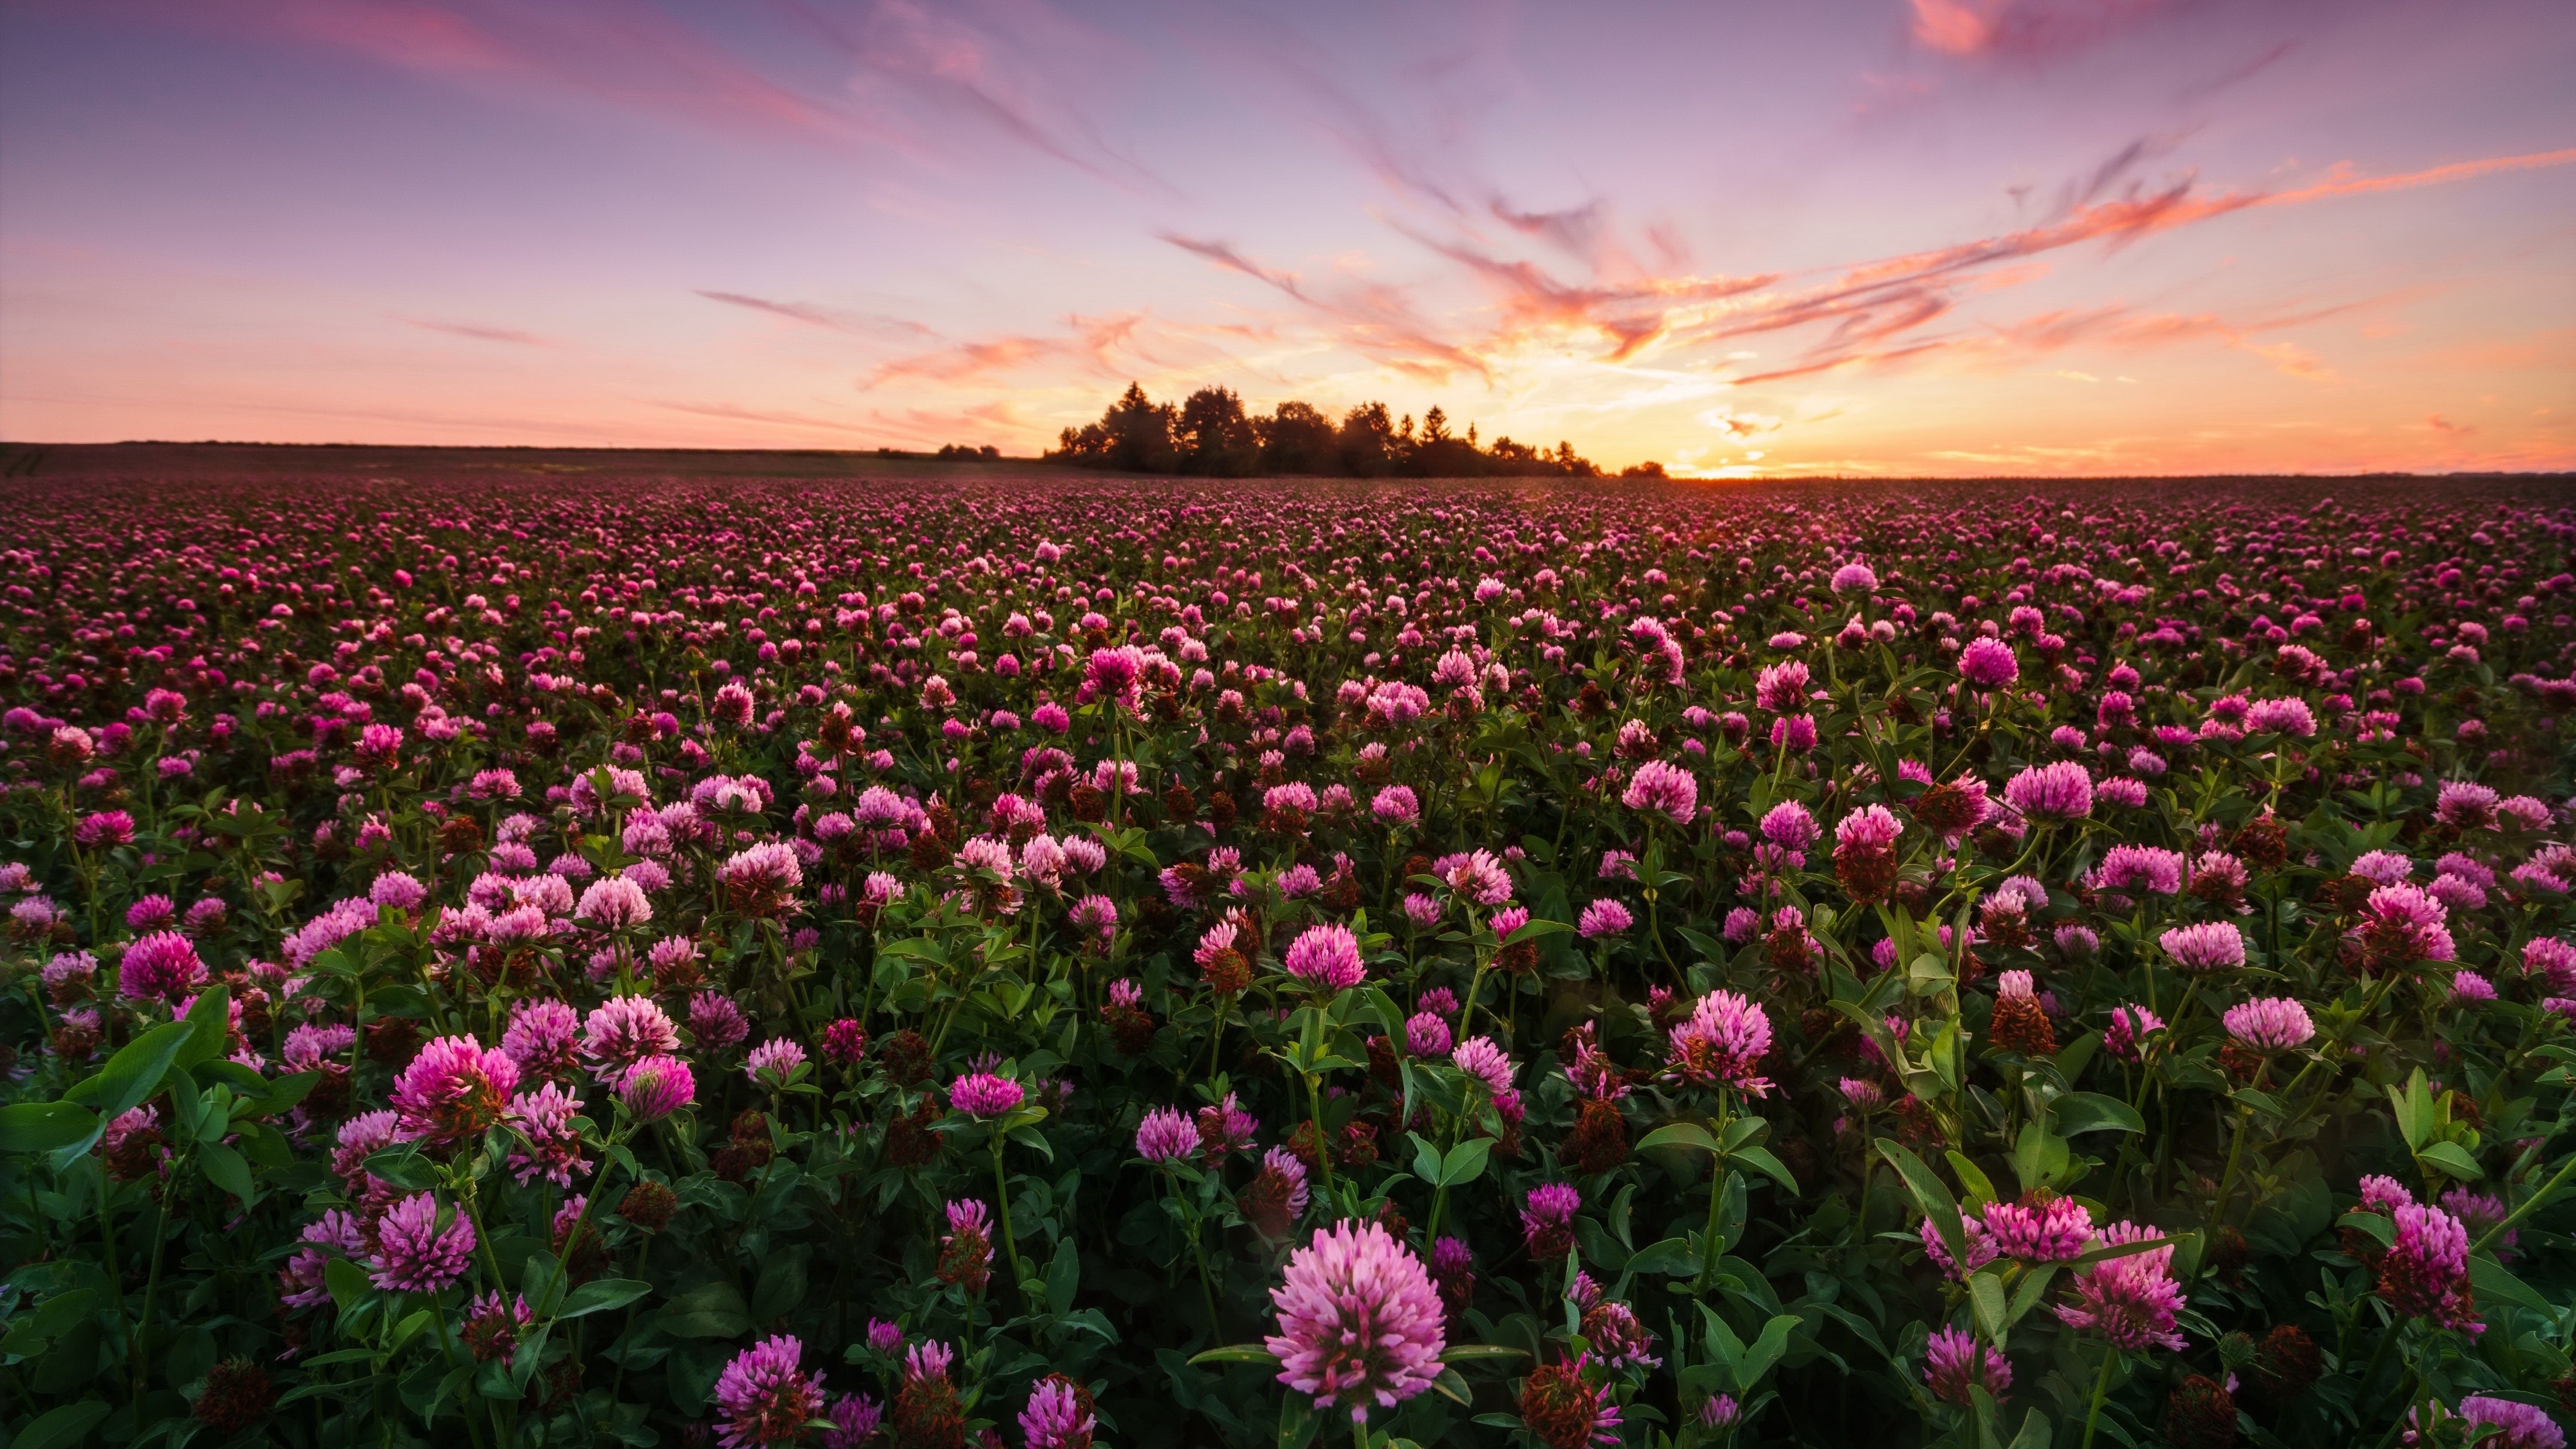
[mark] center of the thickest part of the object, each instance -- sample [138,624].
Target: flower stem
[1216,1034]
[1717,1175]
[2101,1388]
[465,1388]
[1198,1251]
[107,1239]
[483,1237]
[2190,994]
[2227,1178]
[152,1280]
[1708,1239]
[2235,1151]
[1002,1190]
[1655,930]
[1323,1144]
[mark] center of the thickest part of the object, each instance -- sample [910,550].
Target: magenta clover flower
[1665,789]
[983,1094]
[766,1397]
[2269,1024]
[1326,957]
[1360,1325]
[420,1246]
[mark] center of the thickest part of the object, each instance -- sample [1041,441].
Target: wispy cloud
[2022,28]
[1530,216]
[634,57]
[2342,181]
[1008,66]
[1874,314]
[732,412]
[1374,320]
[2237,75]
[834,319]
[477,331]
[1089,341]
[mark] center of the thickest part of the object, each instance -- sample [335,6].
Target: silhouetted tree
[1296,438]
[1133,436]
[1439,454]
[1211,433]
[1367,444]
[1214,436]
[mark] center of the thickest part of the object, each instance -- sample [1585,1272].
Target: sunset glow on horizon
[1873,237]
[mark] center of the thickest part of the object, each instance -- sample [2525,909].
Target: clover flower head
[2205,947]
[1722,1043]
[765,1395]
[1360,1325]
[1954,1359]
[984,1094]
[1166,1135]
[420,1246]
[1662,788]
[2270,1024]
[2129,1302]
[656,1087]
[454,1089]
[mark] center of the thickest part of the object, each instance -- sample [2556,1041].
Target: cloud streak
[947,220]
[1374,320]
[629,56]
[2022,29]
[1090,342]
[1002,74]
[477,332]
[831,319]
[1872,315]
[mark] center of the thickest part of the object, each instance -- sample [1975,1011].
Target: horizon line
[931,455]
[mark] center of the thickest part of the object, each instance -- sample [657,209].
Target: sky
[1869,237]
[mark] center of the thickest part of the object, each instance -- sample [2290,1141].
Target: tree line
[1210,433]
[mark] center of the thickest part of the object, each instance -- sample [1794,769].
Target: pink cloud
[629,56]
[861,324]
[477,332]
[1090,344]
[1020,69]
[2023,28]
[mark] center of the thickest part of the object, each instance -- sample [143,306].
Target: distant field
[229,460]
[208,462]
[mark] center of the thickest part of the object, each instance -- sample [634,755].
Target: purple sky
[1889,236]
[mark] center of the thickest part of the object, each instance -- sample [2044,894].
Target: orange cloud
[1092,342]
[1875,315]
[1970,28]
[1375,321]
[2340,183]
